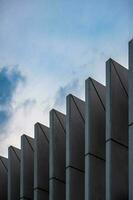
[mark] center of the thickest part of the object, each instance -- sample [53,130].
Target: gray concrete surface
[41,162]
[131,120]
[94,140]
[116,131]
[3,178]
[75,148]
[13,173]
[57,176]
[27,168]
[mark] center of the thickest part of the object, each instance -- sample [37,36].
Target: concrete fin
[27,167]
[13,173]
[116,131]
[41,162]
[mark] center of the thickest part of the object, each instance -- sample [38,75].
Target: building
[86,154]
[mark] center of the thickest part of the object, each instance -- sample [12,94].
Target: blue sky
[47,49]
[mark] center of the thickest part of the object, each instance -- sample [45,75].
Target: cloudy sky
[47,49]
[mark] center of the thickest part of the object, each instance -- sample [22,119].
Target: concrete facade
[27,168]
[3,177]
[131,120]
[116,131]
[57,156]
[13,173]
[94,140]
[41,162]
[75,148]
[86,154]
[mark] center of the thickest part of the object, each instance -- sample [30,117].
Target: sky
[47,50]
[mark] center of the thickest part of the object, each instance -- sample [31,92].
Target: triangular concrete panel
[130,120]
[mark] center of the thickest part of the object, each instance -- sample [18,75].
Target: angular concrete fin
[116,131]
[122,73]
[27,167]
[95,118]
[57,145]
[79,104]
[75,148]
[100,90]
[131,82]
[13,173]
[60,117]
[131,120]
[15,151]
[30,140]
[130,162]
[3,177]
[117,103]
[94,140]
[41,162]
[43,129]
[75,123]
[57,155]
[4,162]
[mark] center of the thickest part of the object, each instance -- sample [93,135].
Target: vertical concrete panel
[57,189]
[131,120]
[13,173]
[74,184]
[3,177]
[75,148]
[57,155]
[27,168]
[116,131]
[41,162]
[131,82]
[94,140]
